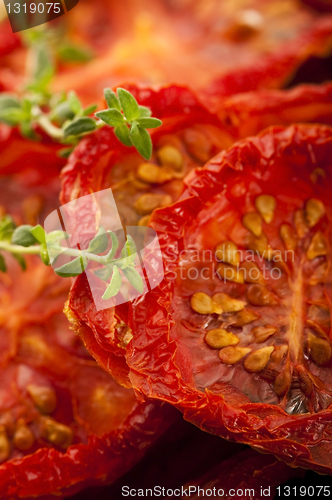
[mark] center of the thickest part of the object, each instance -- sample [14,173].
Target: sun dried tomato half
[248,113]
[237,335]
[247,474]
[224,46]
[186,457]
[64,422]
[189,136]
[26,168]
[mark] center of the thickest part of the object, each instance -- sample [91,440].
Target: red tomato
[64,422]
[190,135]
[225,47]
[101,162]
[247,474]
[248,113]
[9,41]
[186,457]
[241,323]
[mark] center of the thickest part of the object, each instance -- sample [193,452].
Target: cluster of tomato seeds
[139,188]
[289,353]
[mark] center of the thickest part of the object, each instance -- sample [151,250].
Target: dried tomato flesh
[99,163]
[58,407]
[190,135]
[246,473]
[186,456]
[223,46]
[241,322]
[248,113]
[64,422]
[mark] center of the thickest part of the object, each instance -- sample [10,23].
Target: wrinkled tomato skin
[49,472]
[39,157]
[301,440]
[178,107]
[248,113]
[36,342]
[273,71]
[87,168]
[154,51]
[91,326]
[247,471]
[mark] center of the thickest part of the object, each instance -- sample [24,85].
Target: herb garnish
[24,240]
[67,121]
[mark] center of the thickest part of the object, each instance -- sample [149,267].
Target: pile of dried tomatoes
[236,338]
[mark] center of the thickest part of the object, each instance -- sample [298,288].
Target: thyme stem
[72,252]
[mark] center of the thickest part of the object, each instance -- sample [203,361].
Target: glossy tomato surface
[98,164]
[189,136]
[223,47]
[64,422]
[238,334]
[186,457]
[248,113]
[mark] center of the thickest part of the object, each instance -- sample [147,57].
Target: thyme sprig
[65,120]
[28,240]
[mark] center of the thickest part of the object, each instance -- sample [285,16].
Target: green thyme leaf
[44,254]
[3,267]
[65,152]
[115,244]
[72,268]
[144,112]
[149,122]
[74,103]
[12,116]
[134,278]
[39,233]
[62,112]
[99,243]
[26,105]
[122,133]
[128,253]
[8,101]
[43,68]
[55,236]
[128,103]
[112,99]
[115,284]
[141,140]
[20,260]
[22,236]
[90,109]
[7,227]
[27,130]
[104,273]
[129,247]
[80,126]
[112,117]
[73,53]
